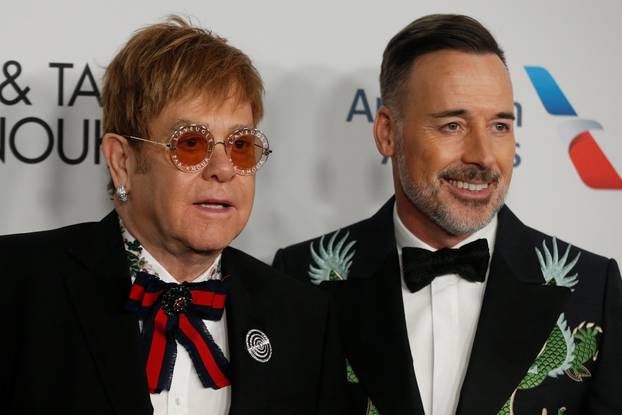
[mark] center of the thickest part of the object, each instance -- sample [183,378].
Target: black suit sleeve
[606,389]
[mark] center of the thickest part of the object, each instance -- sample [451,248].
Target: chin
[208,247]
[474,214]
[217,241]
[211,235]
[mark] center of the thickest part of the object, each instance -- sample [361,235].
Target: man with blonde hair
[149,310]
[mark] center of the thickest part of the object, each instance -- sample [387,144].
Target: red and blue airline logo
[591,163]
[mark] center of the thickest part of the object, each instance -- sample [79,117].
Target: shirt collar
[405,238]
[141,260]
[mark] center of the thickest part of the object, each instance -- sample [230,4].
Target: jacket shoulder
[42,243]
[352,251]
[586,273]
[303,248]
[541,239]
[265,277]
[517,235]
[296,259]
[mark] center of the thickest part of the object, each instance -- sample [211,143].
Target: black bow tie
[421,266]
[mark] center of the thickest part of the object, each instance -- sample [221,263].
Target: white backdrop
[314,57]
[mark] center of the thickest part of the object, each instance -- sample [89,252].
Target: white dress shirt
[187,396]
[441,320]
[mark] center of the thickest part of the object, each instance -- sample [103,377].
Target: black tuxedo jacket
[68,346]
[532,337]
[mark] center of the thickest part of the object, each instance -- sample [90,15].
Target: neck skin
[421,226]
[183,263]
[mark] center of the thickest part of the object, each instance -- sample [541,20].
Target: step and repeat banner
[320,63]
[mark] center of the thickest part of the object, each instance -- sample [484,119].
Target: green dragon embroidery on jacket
[565,351]
[331,261]
[352,378]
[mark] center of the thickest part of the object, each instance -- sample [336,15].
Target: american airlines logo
[590,161]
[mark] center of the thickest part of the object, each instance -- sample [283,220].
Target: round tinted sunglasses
[191,146]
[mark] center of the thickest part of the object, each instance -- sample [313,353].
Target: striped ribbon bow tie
[173,312]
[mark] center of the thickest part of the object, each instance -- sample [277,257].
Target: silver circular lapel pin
[258,345]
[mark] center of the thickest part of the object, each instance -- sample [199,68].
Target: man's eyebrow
[449,113]
[240,126]
[506,115]
[180,122]
[459,112]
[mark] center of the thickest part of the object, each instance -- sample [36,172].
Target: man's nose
[478,148]
[219,166]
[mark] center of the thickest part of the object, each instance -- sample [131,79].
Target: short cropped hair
[427,34]
[169,61]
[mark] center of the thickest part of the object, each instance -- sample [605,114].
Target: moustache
[471,173]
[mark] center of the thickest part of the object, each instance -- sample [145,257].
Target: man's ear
[384,131]
[117,153]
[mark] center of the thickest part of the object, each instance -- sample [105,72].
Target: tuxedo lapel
[97,281]
[517,316]
[371,314]
[375,240]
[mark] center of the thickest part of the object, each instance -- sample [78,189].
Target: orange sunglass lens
[245,151]
[191,148]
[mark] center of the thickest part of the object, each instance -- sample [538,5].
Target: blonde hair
[169,61]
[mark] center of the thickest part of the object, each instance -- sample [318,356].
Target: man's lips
[470,189]
[473,186]
[216,204]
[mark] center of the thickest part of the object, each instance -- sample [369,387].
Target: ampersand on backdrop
[10,79]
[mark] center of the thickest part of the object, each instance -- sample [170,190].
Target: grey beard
[425,199]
